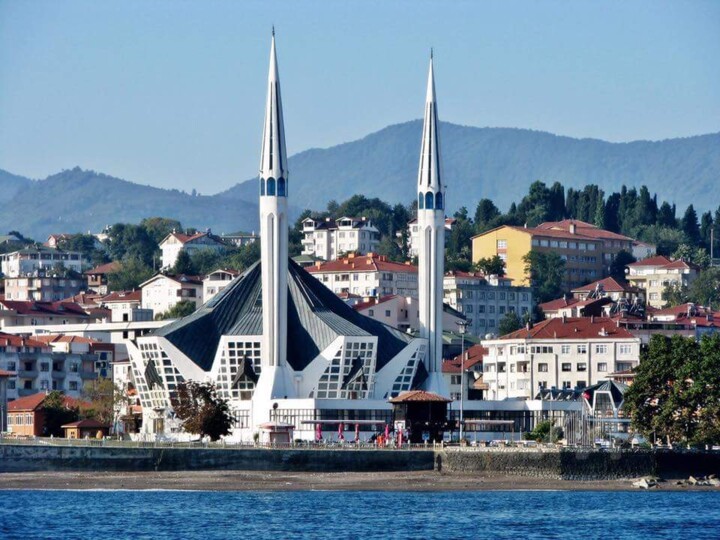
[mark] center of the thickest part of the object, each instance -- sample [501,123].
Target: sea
[337,515]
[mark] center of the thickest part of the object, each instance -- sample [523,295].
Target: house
[655,273]
[176,242]
[216,281]
[28,261]
[412,232]
[329,239]
[29,313]
[485,299]
[472,364]
[402,312]
[586,249]
[26,415]
[126,306]
[86,429]
[367,275]
[605,297]
[560,352]
[163,291]
[54,240]
[97,278]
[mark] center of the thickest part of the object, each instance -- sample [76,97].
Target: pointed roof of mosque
[429,175]
[273,157]
[315,318]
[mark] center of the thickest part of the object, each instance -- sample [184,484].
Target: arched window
[262,187]
[439,201]
[271,187]
[421,201]
[281,187]
[429,200]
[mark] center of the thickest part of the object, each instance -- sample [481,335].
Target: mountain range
[494,163]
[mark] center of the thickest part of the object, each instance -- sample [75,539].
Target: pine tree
[690,226]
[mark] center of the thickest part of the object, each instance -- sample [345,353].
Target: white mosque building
[277,343]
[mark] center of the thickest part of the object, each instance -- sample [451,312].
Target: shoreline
[428,481]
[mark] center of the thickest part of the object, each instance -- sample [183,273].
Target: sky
[171,93]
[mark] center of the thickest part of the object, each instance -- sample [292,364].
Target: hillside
[500,164]
[77,201]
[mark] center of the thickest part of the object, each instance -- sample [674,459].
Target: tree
[183,264]
[545,431]
[159,227]
[201,410]
[674,294]
[182,309]
[676,395]
[131,273]
[491,266]
[101,396]
[666,216]
[690,226]
[705,290]
[390,249]
[619,263]
[204,261]
[57,414]
[692,254]
[509,323]
[547,272]
[485,213]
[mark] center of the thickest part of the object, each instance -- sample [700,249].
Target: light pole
[462,328]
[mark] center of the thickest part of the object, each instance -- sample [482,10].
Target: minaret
[431,231]
[274,243]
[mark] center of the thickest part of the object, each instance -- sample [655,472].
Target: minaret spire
[273,242]
[431,252]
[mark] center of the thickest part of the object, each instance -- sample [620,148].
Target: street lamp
[462,328]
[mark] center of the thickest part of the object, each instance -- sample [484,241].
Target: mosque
[279,345]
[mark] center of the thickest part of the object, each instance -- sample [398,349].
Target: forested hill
[500,164]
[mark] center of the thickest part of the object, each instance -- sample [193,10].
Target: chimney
[564,318]
[573,228]
[592,319]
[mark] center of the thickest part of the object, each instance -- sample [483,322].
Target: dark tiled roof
[419,395]
[315,318]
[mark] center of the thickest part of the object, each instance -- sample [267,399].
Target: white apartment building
[126,306]
[161,292]
[559,352]
[413,235]
[175,242]
[485,299]
[328,239]
[216,281]
[29,261]
[403,312]
[656,273]
[42,287]
[367,275]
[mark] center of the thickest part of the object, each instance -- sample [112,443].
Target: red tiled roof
[123,296]
[83,298]
[582,228]
[28,307]
[361,263]
[657,260]
[63,338]
[4,373]
[680,312]
[467,275]
[609,284]
[559,303]
[107,268]
[572,328]
[18,341]
[474,355]
[373,302]
[419,396]
[27,403]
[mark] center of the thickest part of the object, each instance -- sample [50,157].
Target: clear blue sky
[171,93]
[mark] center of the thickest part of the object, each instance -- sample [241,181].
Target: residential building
[485,299]
[28,261]
[216,281]
[239,239]
[42,287]
[26,415]
[176,242]
[27,313]
[161,292]
[560,352]
[472,364]
[606,297]
[643,250]
[97,278]
[413,235]
[402,312]
[687,320]
[126,306]
[655,273]
[367,275]
[586,249]
[329,239]
[89,357]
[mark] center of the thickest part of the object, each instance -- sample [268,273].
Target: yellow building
[586,249]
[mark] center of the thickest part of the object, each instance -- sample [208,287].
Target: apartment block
[328,239]
[655,273]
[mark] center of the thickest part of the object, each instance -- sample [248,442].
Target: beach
[290,481]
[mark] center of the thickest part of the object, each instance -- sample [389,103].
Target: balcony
[27,356]
[88,375]
[59,374]
[24,392]
[27,373]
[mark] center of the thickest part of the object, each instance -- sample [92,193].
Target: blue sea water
[345,514]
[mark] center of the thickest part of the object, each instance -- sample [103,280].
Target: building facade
[42,287]
[162,292]
[561,352]
[655,273]
[176,242]
[216,281]
[403,312]
[29,261]
[413,235]
[329,239]
[367,275]
[485,299]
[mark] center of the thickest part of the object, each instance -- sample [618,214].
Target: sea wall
[577,464]
[23,458]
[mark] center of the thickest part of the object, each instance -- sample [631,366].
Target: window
[371,312]
[567,366]
[542,368]
[455,379]
[565,349]
[73,385]
[582,366]
[429,201]
[581,384]
[566,385]
[281,187]
[439,201]
[625,348]
[601,348]
[387,312]
[421,201]
[602,366]
[582,349]
[502,244]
